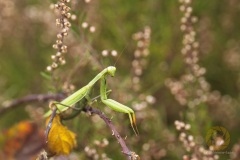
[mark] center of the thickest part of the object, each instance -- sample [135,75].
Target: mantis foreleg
[116,105]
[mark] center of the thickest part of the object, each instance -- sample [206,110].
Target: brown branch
[8,105]
[120,140]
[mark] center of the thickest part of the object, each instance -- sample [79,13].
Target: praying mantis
[82,96]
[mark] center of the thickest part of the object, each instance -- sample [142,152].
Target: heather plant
[177,69]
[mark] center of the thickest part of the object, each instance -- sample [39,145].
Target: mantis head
[111,70]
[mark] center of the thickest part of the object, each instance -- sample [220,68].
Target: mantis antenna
[121,54]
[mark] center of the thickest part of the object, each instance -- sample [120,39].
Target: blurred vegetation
[28,32]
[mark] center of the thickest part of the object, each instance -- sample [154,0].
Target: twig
[8,105]
[125,149]
[54,112]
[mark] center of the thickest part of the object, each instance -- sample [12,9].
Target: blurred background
[165,78]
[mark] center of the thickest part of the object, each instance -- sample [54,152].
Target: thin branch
[8,105]
[54,112]
[120,140]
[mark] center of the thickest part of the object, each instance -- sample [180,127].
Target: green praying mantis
[82,96]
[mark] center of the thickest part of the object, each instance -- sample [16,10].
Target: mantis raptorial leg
[82,95]
[116,106]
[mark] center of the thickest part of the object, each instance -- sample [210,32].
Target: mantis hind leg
[54,107]
[74,110]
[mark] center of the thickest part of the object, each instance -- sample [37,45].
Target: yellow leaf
[60,140]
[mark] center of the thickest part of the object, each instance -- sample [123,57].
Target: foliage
[61,140]
[22,141]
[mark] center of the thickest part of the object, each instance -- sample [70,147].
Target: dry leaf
[60,140]
[22,141]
